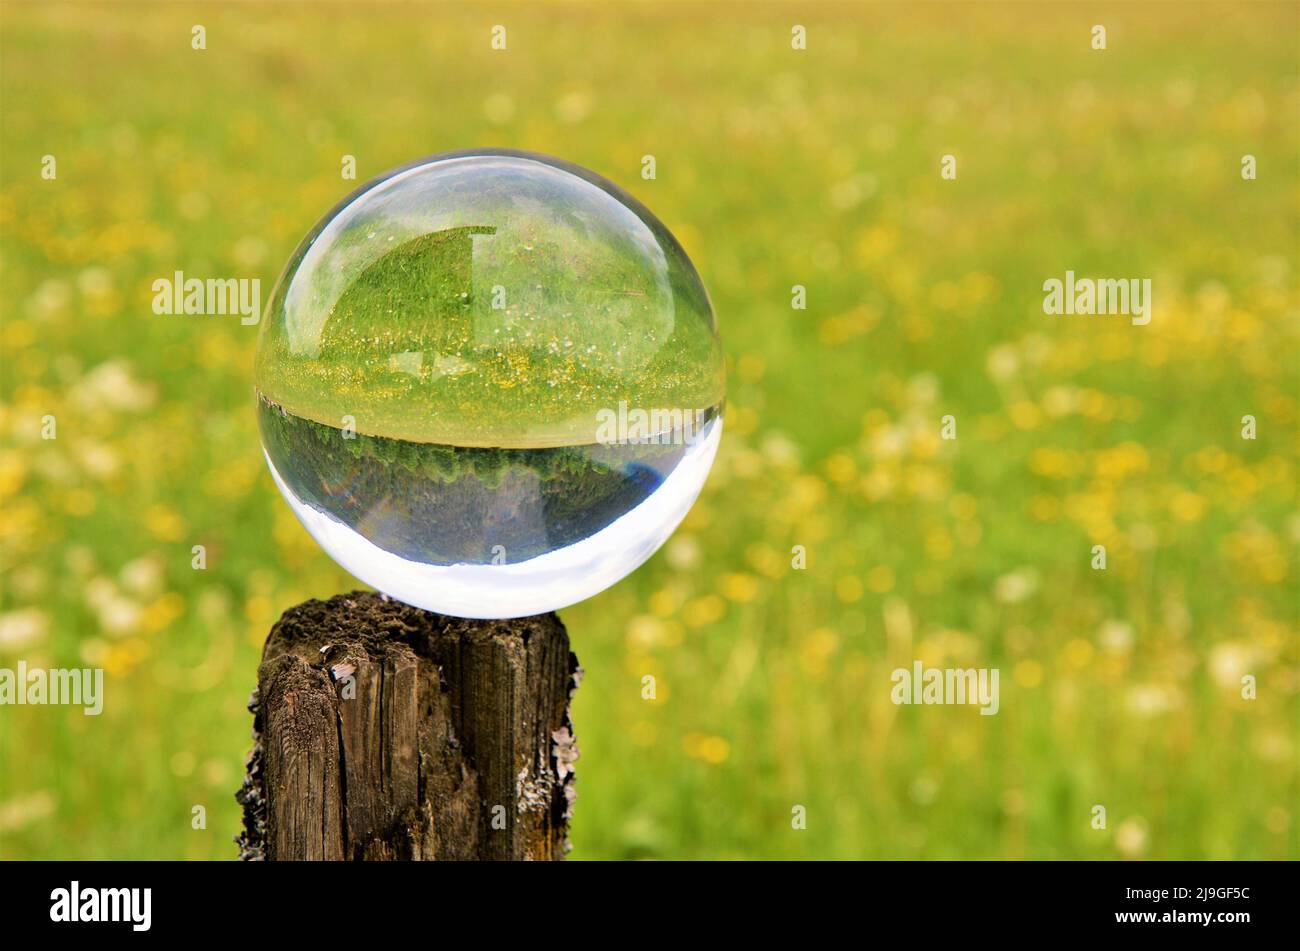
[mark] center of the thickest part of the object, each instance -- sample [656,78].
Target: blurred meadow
[775,167]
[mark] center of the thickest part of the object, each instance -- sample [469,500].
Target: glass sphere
[489,383]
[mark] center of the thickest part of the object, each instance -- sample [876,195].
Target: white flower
[23,628]
[1016,586]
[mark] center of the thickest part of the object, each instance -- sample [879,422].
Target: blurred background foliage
[775,167]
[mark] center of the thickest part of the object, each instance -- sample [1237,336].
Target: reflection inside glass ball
[490,384]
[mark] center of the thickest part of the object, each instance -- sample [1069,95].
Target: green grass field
[775,167]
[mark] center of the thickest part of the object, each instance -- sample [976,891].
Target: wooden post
[385,732]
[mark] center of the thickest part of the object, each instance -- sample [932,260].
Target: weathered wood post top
[385,732]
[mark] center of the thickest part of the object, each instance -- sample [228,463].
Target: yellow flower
[766,561]
[700,612]
[841,468]
[1028,673]
[938,544]
[665,602]
[877,484]
[876,242]
[1078,652]
[259,611]
[841,328]
[1187,506]
[925,444]
[1025,415]
[978,286]
[710,749]
[817,648]
[806,493]
[970,533]
[162,612]
[1045,508]
[880,579]
[945,295]
[738,586]
[963,506]
[1060,400]
[1096,405]
[163,522]
[79,502]
[741,420]
[1053,463]
[848,589]
[873,421]
[926,482]
[750,367]
[1120,461]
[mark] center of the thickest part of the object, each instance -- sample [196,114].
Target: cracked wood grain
[383,732]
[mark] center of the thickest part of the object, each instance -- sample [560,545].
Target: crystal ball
[489,383]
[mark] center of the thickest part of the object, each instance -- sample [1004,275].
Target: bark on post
[385,732]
